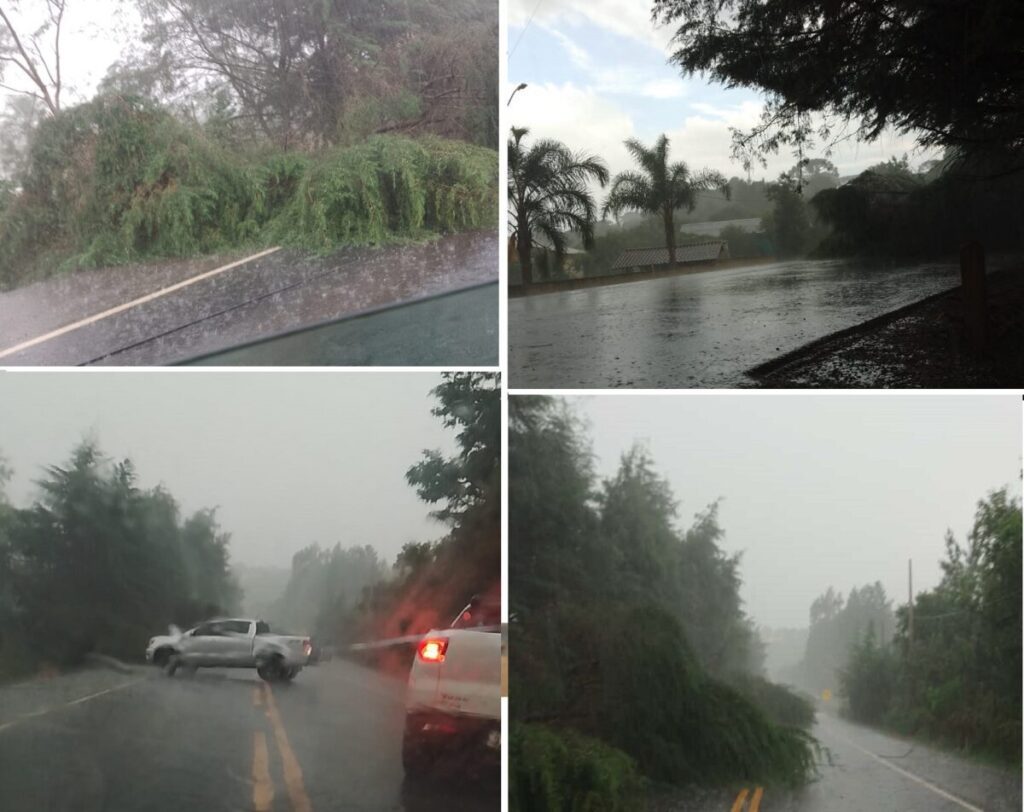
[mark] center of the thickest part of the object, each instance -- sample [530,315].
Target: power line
[520,37]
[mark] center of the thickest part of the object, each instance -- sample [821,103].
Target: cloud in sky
[598,73]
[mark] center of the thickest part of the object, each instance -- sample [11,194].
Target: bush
[563,771]
[779,703]
[119,179]
[682,726]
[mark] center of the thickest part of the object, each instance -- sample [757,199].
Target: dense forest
[347,595]
[634,659]
[98,565]
[240,124]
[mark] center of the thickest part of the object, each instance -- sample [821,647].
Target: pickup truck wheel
[171,664]
[161,657]
[272,670]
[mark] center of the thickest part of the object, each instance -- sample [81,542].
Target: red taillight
[432,649]
[307,647]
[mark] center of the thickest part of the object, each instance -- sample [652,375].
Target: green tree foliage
[312,73]
[892,211]
[431,582]
[957,679]
[949,72]
[605,595]
[119,179]
[660,187]
[837,624]
[565,771]
[549,194]
[324,586]
[788,223]
[96,564]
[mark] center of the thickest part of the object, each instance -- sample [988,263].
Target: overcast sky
[290,458]
[598,74]
[94,35]
[821,491]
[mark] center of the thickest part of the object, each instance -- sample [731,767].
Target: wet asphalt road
[703,329]
[217,742]
[284,290]
[863,770]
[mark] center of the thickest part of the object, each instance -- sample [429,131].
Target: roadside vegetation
[96,564]
[953,678]
[315,125]
[634,659]
[344,595]
[959,97]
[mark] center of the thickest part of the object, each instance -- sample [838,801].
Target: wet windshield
[177,178]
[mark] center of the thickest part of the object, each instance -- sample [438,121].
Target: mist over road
[222,740]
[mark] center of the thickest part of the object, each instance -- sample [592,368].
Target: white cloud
[578,117]
[631,19]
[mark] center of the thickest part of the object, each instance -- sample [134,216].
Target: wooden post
[972,284]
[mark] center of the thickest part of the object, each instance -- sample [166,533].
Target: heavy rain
[228,591]
[178,179]
[756,602]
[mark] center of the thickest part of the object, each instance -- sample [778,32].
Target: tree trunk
[524,245]
[670,237]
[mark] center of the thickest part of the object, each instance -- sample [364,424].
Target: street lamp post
[520,86]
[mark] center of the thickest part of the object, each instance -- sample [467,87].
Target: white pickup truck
[453,699]
[231,643]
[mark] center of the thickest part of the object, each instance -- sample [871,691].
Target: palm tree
[660,187]
[548,194]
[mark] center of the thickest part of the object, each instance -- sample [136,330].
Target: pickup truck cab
[453,699]
[232,643]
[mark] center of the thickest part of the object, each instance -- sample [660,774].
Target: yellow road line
[262,786]
[257,696]
[78,701]
[24,345]
[755,802]
[292,770]
[740,799]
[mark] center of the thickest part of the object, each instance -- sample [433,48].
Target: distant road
[222,740]
[180,309]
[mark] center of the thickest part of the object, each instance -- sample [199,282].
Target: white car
[232,643]
[453,699]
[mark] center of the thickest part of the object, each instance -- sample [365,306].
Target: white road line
[78,701]
[927,784]
[24,345]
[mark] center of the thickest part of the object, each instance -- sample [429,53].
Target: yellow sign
[826,695]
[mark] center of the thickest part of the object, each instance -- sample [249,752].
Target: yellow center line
[24,345]
[257,697]
[755,802]
[292,770]
[740,799]
[262,786]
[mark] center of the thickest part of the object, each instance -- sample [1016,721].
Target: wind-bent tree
[548,193]
[660,187]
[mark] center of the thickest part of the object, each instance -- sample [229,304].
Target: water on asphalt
[285,290]
[163,744]
[702,329]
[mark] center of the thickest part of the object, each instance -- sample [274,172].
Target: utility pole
[910,590]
